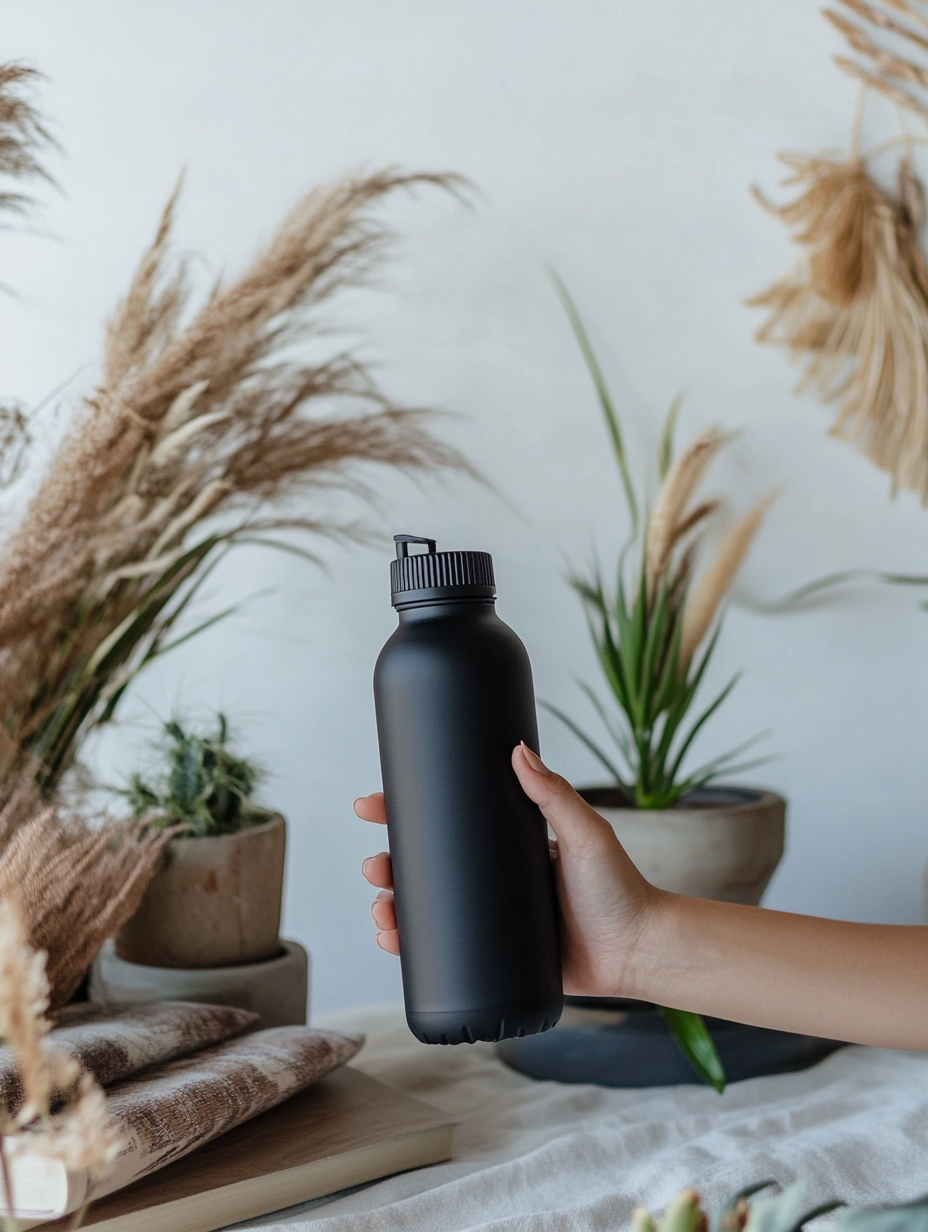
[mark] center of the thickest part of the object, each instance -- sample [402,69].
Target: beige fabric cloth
[113,1042]
[545,1157]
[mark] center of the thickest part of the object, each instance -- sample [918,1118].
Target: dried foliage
[207,429]
[75,884]
[22,134]
[63,1113]
[887,69]
[703,605]
[854,310]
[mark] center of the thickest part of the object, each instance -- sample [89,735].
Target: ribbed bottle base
[492,1025]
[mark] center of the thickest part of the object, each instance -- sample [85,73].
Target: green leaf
[786,1212]
[609,412]
[590,744]
[694,1041]
[665,449]
[281,545]
[913,1217]
[722,1220]
[700,723]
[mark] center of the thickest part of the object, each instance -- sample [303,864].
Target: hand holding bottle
[602,895]
[622,937]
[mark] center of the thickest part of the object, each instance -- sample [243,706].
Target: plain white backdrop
[616,142]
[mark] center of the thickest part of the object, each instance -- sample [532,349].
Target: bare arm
[866,983]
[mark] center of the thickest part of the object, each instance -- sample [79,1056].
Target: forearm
[866,983]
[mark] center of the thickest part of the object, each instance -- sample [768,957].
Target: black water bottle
[472,874]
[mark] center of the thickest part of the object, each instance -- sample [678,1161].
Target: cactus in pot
[216,901]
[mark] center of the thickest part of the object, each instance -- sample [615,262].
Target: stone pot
[277,990]
[215,902]
[718,842]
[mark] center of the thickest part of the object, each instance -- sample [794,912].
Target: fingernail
[534,760]
[364,863]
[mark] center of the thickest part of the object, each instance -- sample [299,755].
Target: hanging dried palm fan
[854,309]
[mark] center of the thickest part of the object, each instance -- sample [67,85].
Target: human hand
[378,870]
[605,903]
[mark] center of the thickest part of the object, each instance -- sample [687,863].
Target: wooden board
[344,1130]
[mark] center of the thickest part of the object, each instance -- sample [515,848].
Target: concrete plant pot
[215,903]
[719,842]
[277,989]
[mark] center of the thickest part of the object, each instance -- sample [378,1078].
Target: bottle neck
[443,609]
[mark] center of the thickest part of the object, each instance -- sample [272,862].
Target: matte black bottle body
[472,872]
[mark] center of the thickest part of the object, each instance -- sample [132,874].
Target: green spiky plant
[654,634]
[787,1211]
[201,785]
[654,631]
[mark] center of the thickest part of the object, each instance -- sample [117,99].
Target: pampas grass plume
[674,496]
[703,605]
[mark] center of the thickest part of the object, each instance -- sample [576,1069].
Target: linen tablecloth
[542,1155]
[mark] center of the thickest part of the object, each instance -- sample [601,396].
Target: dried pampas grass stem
[703,606]
[208,428]
[22,134]
[667,523]
[75,885]
[78,1131]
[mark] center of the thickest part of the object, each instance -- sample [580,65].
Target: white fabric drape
[541,1155]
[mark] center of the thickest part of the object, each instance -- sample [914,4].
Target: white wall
[616,141]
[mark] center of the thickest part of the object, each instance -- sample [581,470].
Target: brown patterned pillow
[114,1042]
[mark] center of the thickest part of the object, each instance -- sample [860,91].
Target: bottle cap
[427,577]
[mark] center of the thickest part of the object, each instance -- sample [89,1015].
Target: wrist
[643,976]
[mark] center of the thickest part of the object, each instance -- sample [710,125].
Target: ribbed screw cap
[439,575]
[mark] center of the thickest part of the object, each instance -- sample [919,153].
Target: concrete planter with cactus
[208,926]
[215,902]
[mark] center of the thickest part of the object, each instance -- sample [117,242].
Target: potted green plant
[215,901]
[207,928]
[654,629]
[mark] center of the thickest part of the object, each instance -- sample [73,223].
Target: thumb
[570,817]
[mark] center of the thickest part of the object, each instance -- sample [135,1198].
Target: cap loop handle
[403,541]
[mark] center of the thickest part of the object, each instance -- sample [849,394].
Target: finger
[371,808]
[389,941]
[573,820]
[378,870]
[383,911]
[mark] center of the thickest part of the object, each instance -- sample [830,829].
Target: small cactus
[785,1212]
[202,785]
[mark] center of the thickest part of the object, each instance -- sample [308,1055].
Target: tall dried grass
[207,428]
[78,1131]
[75,884]
[702,606]
[673,542]
[23,134]
[671,520]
